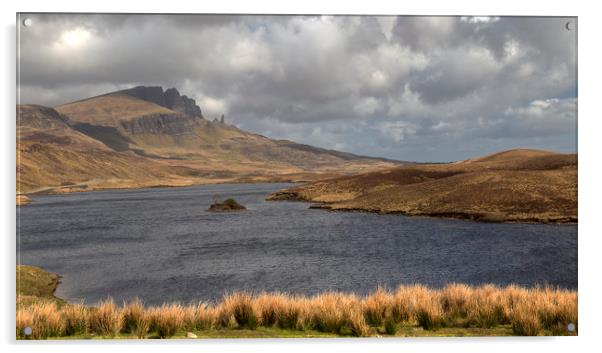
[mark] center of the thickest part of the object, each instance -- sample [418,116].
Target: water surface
[161,245]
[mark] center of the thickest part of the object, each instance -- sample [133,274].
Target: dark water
[161,245]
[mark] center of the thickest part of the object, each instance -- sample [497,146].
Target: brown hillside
[54,157]
[110,110]
[51,154]
[517,186]
[132,138]
[137,120]
[38,124]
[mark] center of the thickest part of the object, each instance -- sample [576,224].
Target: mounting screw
[27,331]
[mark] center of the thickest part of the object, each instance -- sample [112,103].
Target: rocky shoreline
[286,195]
[479,217]
[517,186]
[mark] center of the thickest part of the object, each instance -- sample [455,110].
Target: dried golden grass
[76,319]
[269,308]
[524,320]
[135,318]
[24,319]
[426,307]
[281,310]
[166,319]
[199,317]
[44,319]
[327,311]
[486,307]
[337,313]
[240,308]
[402,304]
[534,311]
[556,308]
[106,319]
[455,298]
[376,306]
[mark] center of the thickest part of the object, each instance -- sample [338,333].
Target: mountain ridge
[183,148]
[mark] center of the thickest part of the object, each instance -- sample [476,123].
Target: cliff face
[170,124]
[37,116]
[181,103]
[170,99]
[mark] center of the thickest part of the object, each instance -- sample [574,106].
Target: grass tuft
[239,306]
[106,319]
[166,319]
[44,319]
[135,319]
[76,319]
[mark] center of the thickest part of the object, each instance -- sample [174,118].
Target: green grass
[260,332]
[414,331]
[35,285]
[35,282]
[272,332]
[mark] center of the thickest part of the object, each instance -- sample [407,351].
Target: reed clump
[106,319]
[238,310]
[136,320]
[166,319]
[199,317]
[427,309]
[43,319]
[523,311]
[76,319]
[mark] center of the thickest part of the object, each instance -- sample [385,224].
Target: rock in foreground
[228,205]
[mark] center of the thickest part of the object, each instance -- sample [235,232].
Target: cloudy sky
[408,88]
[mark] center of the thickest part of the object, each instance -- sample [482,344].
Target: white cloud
[398,130]
[74,37]
[552,110]
[367,106]
[212,107]
[377,85]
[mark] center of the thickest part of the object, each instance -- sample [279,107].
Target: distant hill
[512,186]
[50,153]
[147,136]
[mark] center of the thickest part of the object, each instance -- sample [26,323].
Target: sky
[407,88]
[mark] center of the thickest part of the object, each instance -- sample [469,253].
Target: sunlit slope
[50,153]
[146,136]
[517,185]
[126,122]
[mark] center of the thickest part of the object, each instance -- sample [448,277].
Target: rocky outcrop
[181,103]
[285,195]
[37,116]
[171,124]
[151,94]
[227,206]
[170,98]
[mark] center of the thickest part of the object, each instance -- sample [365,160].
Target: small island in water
[228,205]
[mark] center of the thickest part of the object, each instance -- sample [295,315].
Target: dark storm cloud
[413,88]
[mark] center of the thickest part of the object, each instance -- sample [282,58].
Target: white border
[589,176]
